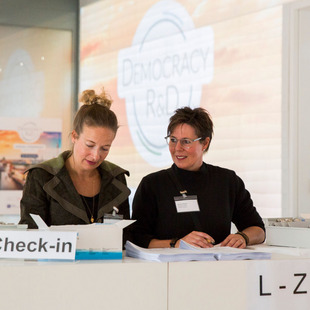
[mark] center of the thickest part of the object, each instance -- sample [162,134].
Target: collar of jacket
[113,192]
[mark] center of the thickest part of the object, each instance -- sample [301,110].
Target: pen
[209,241]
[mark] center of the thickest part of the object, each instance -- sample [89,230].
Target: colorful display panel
[225,56]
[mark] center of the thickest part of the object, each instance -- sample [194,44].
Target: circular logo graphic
[29,132]
[163,70]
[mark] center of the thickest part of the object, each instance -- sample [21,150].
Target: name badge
[186,204]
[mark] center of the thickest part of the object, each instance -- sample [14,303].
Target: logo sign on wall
[163,70]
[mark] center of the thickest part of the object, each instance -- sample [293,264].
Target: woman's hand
[234,241]
[198,239]
[255,235]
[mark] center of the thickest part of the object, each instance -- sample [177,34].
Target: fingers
[234,241]
[199,239]
[203,240]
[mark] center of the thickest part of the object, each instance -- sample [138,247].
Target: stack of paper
[186,252]
[166,254]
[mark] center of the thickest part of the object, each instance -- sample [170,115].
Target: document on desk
[228,253]
[186,252]
[167,254]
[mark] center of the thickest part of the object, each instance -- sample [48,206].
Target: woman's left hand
[234,241]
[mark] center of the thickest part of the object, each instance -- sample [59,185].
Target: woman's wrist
[173,242]
[245,236]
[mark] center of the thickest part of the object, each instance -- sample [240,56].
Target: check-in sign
[38,244]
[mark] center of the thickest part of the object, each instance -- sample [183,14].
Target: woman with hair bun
[79,186]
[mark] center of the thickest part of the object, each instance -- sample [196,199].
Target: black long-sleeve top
[221,196]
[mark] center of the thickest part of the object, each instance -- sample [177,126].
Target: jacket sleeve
[34,199]
[124,208]
[145,213]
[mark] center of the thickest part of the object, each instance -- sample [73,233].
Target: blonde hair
[89,97]
[95,111]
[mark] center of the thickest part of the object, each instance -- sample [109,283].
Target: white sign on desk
[38,244]
[281,284]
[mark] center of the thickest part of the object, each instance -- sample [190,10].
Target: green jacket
[50,193]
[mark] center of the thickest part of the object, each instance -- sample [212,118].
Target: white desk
[113,285]
[243,285]
[135,284]
[239,285]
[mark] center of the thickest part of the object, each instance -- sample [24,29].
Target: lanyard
[176,182]
[183,192]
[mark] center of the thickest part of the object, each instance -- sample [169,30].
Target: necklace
[87,205]
[90,203]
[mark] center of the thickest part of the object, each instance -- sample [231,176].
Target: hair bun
[89,97]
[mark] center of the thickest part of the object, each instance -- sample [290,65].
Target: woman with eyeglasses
[193,201]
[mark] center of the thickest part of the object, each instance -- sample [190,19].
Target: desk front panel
[113,285]
[240,285]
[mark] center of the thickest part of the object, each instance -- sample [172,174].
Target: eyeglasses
[185,142]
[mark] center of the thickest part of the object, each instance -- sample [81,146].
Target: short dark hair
[95,112]
[198,118]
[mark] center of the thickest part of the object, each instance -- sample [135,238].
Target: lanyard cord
[177,183]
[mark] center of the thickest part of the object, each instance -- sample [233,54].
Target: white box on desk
[298,237]
[98,236]
[94,241]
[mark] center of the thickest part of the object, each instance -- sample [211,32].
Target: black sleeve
[144,211]
[245,214]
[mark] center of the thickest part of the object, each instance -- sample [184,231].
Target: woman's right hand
[198,239]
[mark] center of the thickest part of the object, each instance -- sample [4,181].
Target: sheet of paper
[228,253]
